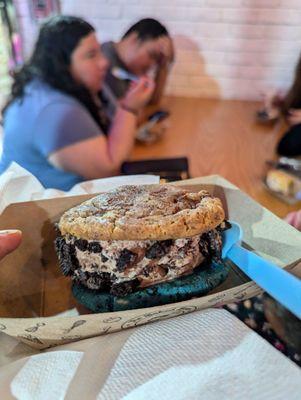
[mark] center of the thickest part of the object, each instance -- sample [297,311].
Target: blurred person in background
[287,105]
[146,47]
[54,121]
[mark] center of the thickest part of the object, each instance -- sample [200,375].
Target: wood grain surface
[220,137]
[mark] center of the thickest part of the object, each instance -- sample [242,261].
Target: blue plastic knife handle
[280,284]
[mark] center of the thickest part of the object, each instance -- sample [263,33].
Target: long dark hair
[293,97]
[50,62]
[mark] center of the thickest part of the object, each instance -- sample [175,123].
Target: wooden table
[220,137]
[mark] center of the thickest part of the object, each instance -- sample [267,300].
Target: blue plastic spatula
[279,283]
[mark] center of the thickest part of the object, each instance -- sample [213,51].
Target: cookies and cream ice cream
[138,236]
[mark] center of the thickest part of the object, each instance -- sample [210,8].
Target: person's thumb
[9,241]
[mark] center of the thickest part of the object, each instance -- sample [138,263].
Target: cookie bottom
[199,283]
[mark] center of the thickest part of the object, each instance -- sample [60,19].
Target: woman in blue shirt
[54,124]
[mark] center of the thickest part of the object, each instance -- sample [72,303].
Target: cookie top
[133,212]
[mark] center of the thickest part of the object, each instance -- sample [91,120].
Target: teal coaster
[197,284]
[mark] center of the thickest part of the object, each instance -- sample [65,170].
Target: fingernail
[10,232]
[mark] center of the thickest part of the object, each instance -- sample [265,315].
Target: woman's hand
[294,116]
[138,94]
[9,241]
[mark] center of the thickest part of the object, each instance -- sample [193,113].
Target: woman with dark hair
[54,124]
[288,106]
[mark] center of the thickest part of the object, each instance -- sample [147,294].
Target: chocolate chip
[158,249]
[84,245]
[155,251]
[81,244]
[125,258]
[94,247]
[104,258]
[124,288]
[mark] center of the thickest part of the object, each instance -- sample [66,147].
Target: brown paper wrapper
[33,291]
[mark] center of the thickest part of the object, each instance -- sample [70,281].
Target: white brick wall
[225,48]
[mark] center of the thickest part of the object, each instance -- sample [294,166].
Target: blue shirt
[42,122]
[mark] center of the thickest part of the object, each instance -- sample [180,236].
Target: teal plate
[197,284]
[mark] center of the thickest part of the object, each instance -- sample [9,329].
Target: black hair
[147,29]
[51,58]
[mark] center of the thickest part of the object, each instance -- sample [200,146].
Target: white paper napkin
[46,376]
[17,185]
[208,355]
[238,374]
